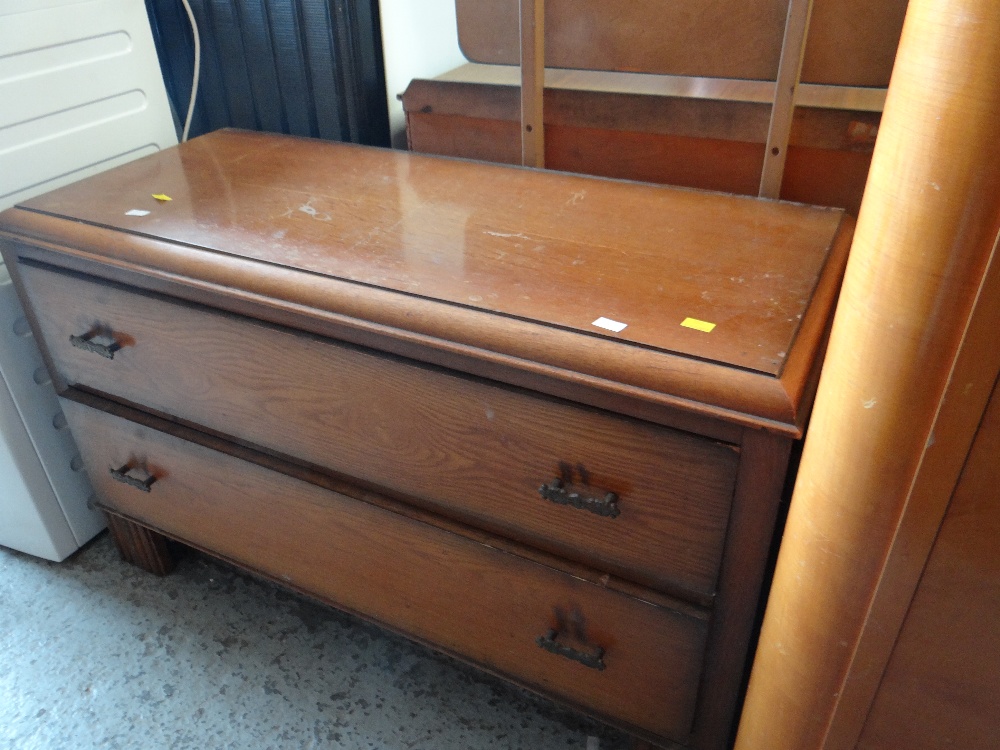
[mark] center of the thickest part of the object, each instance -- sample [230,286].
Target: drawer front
[469,598]
[468,448]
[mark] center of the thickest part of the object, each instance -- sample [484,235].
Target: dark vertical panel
[293,83]
[260,64]
[321,60]
[306,67]
[342,25]
[211,112]
[370,68]
[364,72]
[175,56]
[226,40]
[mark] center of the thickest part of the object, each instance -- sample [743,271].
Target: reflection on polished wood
[550,252]
[911,362]
[558,249]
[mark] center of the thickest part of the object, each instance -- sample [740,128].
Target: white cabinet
[80,92]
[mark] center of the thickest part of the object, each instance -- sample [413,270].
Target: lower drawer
[613,655]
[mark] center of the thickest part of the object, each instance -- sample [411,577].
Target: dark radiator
[304,67]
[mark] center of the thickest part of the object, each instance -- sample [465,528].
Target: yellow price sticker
[698,325]
[162,198]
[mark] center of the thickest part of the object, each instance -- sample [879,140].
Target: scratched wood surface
[558,249]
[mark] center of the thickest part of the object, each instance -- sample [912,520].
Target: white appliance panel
[80,92]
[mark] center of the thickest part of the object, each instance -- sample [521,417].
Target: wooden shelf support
[532,82]
[793,49]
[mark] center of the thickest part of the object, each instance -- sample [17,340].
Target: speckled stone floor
[95,653]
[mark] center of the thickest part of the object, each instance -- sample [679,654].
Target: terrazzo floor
[95,653]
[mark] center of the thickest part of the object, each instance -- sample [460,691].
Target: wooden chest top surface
[490,270]
[555,249]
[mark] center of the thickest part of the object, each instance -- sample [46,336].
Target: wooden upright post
[911,361]
[532,82]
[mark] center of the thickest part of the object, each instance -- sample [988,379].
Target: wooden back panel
[709,144]
[850,43]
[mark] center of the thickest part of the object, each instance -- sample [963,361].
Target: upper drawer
[472,449]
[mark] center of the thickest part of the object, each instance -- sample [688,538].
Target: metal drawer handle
[85,342]
[122,475]
[594,660]
[557,492]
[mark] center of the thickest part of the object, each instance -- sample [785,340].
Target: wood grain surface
[468,448]
[743,121]
[708,38]
[141,547]
[785,93]
[751,532]
[556,249]
[405,574]
[818,176]
[959,421]
[664,388]
[684,141]
[271,267]
[303,313]
[852,42]
[814,95]
[531,33]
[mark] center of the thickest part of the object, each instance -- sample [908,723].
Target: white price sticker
[610,325]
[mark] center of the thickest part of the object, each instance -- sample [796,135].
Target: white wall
[419,40]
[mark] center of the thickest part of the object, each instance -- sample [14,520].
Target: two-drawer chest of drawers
[539,421]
